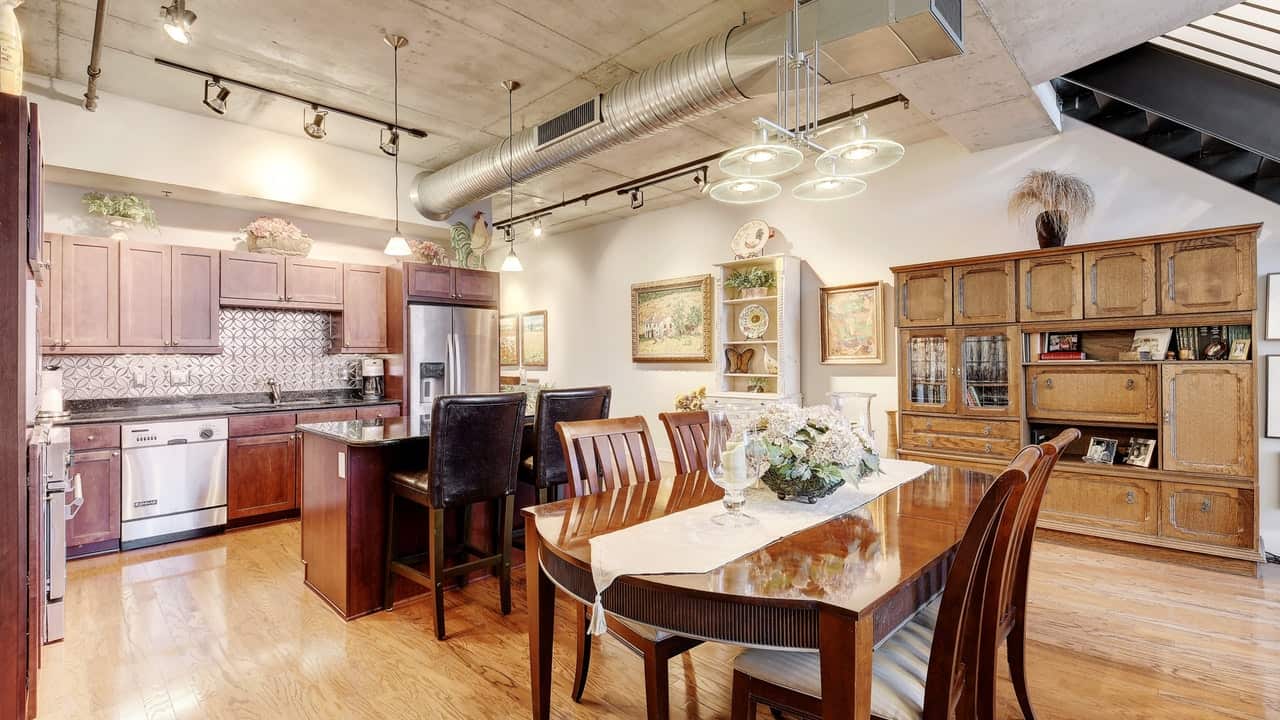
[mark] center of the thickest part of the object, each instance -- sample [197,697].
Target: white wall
[938,203]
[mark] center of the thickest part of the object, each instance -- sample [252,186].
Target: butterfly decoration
[738,361]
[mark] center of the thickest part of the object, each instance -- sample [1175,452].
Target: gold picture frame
[672,320]
[509,340]
[533,340]
[851,323]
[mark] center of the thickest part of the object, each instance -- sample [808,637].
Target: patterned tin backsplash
[288,345]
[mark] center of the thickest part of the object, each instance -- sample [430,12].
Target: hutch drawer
[975,437]
[1215,515]
[1105,502]
[1094,393]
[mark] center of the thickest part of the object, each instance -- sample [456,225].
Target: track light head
[178,21]
[389,143]
[637,199]
[313,122]
[218,101]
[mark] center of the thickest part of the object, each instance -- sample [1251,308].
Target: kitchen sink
[283,405]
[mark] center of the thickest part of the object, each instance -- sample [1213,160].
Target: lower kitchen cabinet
[261,475]
[96,527]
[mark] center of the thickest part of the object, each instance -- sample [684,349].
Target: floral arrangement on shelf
[756,277]
[130,208]
[429,252]
[692,401]
[276,236]
[812,451]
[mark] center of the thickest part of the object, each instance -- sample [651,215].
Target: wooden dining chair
[934,666]
[687,432]
[603,455]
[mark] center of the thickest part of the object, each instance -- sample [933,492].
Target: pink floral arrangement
[429,252]
[276,236]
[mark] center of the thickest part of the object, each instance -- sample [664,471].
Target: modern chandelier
[779,147]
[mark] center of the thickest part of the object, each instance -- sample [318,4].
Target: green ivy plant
[128,207]
[754,278]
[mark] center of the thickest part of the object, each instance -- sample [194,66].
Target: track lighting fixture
[637,198]
[389,143]
[218,101]
[313,122]
[397,246]
[178,21]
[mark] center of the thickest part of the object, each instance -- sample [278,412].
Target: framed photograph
[1273,306]
[533,339]
[1239,349]
[851,320]
[671,320]
[1273,396]
[509,340]
[1141,450]
[1102,451]
[1062,342]
[1154,341]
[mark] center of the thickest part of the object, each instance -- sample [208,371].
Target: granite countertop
[369,433]
[178,408]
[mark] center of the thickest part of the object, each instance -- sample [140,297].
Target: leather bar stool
[545,470]
[474,451]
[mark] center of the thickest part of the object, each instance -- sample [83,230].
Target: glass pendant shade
[397,246]
[763,160]
[512,263]
[860,157]
[744,191]
[837,187]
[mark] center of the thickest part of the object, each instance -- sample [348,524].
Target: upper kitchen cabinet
[431,282]
[924,297]
[194,299]
[313,281]
[475,286]
[1051,288]
[1121,282]
[49,292]
[252,279]
[986,294]
[450,286]
[362,326]
[84,313]
[145,290]
[1214,274]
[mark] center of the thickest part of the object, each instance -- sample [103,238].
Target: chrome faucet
[273,390]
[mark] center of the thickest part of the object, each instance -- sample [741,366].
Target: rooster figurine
[480,239]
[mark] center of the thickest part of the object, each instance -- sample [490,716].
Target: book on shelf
[1062,355]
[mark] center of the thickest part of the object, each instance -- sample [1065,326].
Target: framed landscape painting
[851,322]
[509,340]
[671,320]
[533,339]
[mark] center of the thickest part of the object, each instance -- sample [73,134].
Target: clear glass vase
[732,463]
[856,406]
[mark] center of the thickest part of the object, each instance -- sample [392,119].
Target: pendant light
[511,263]
[829,187]
[744,191]
[862,156]
[397,246]
[762,159]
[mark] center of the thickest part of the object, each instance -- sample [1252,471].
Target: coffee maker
[371,385]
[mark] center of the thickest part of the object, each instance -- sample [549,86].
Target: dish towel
[689,542]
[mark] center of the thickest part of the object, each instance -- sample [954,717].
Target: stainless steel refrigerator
[452,351]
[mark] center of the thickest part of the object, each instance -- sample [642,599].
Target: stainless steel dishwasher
[174,481]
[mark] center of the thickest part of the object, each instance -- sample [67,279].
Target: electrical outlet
[179,377]
[139,377]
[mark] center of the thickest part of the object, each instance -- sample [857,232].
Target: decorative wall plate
[749,240]
[753,321]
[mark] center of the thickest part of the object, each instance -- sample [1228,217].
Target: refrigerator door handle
[451,366]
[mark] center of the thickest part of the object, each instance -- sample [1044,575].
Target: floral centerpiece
[276,236]
[812,451]
[429,252]
[695,400]
[120,211]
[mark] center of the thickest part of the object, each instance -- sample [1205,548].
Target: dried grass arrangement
[1057,200]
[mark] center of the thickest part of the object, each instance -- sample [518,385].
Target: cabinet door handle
[1171,419]
[1035,392]
[1026,288]
[1130,497]
[986,431]
[1048,383]
[1168,276]
[961,298]
[1093,284]
[988,448]
[1130,384]
[903,292]
[1206,505]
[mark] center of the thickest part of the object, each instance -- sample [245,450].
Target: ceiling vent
[570,123]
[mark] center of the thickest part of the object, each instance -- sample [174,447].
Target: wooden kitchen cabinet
[475,286]
[1213,274]
[1201,513]
[433,282]
[313,281]
[322,416]
[362,326]
[262,475]
[248,277]
[1093,393]
[49,293]
[89,306]
[377,412]
[145,295]
[924,298]
[1121,282]
[194,302]
[986,294]
[1208,419]
[1051,288]
[97,525]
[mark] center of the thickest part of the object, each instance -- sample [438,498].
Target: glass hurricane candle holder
[732,461]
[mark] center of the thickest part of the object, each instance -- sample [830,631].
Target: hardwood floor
[223,628]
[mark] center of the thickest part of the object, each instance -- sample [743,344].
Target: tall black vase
[1051,234]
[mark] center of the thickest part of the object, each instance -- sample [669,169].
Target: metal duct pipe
[723,70]
[95,55]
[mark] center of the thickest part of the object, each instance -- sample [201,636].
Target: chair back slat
[687,432]
[555,406]
[957,663]
[604,455]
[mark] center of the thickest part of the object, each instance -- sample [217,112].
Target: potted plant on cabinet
[121,212]
[1059,201]
[751,283]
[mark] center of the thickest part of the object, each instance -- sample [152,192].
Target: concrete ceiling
[563,51]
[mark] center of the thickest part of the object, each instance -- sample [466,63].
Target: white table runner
[689,542]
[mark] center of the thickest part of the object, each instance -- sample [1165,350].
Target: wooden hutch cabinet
[973,386]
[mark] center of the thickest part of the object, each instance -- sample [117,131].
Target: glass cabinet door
[927,367]
[988,372]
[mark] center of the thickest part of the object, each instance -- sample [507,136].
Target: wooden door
[989,369]
[1093,393]
[1121,282]
[99,518]
[476,286]
[986,294]
[924,298]
[1201,513]
[1209,418]
[1208,275]
[196,282]
[1102,501]
[313,281]
[364,311]
[90,292]
[251,276]
[1051,288]
[145,295]
[927,369]
[262,475]
[429,281]
[49,293]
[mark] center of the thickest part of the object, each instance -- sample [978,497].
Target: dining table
[837,587]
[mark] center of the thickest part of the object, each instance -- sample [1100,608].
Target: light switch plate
[139,377]
[342,466]
[179,376]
